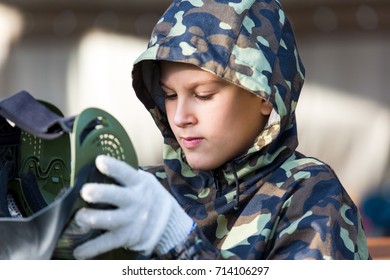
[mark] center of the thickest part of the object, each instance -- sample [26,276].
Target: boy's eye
[169,96]
[204,96]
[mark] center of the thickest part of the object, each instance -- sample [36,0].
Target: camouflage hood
[246,42]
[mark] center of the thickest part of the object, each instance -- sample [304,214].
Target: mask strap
[34,117]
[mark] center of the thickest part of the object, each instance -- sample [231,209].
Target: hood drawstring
[236,205]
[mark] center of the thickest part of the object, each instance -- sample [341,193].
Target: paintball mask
[45,158]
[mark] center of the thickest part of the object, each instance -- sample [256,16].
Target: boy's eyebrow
[163,84]
[213,80]
[164,87]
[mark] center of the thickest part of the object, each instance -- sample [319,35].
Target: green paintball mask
[45,158]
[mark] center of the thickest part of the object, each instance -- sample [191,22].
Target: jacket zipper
[217,183]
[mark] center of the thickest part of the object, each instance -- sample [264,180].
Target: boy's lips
[191,142]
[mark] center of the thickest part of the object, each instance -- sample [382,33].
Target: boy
[221,80]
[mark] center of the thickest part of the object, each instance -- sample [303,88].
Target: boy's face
[213,120]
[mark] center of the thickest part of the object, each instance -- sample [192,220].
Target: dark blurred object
[375,208]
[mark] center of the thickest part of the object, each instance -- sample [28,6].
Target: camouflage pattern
[271,202]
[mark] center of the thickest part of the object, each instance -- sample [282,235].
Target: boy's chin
[202,165]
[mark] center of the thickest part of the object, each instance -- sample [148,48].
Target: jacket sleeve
[319,221]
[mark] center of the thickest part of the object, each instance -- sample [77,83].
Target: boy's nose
[184,114]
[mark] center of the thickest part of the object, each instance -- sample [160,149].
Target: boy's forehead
[170,69]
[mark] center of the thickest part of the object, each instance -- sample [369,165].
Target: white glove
[147,218]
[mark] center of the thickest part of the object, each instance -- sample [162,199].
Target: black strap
[33,117]
[4,211]
[31,192]
[9,147]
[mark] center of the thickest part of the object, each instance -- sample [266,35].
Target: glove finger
[120,171]
[101,244]
[88,218]
[110,194]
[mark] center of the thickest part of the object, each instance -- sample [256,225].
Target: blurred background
[79,53]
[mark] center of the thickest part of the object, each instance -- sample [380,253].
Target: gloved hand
[147,218]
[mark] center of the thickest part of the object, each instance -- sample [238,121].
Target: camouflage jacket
[271,202]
